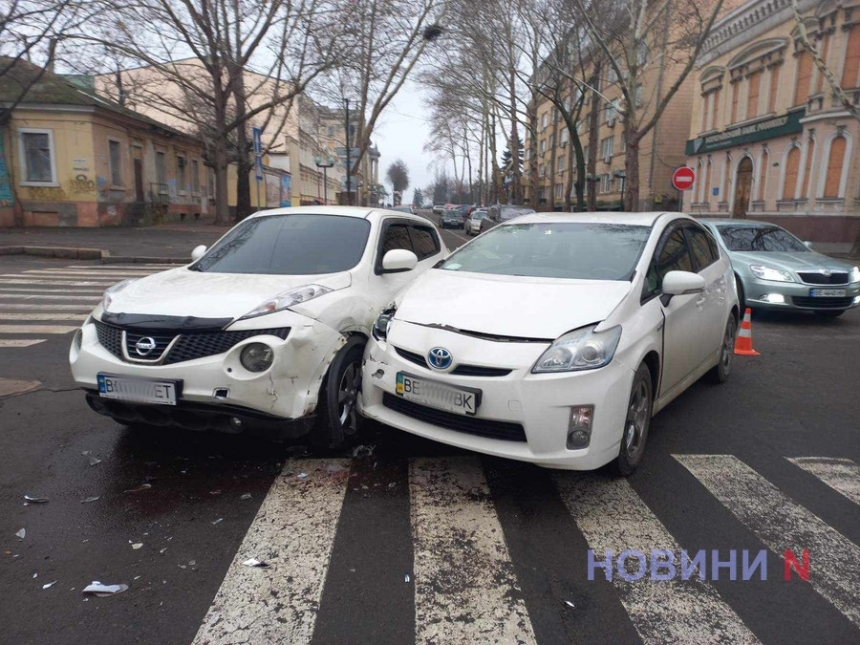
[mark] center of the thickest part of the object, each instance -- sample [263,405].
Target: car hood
[790,261]
[180,292]
[509,306]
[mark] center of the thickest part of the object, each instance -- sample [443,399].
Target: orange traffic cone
[743,344]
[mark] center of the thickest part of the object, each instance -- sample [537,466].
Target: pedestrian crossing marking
[35,329]
[612,516]
[82,283]
[781,524]
[293,532]
[842,475]
[16,343]
[83,309]
[42,316]
[81,298]
[462,565]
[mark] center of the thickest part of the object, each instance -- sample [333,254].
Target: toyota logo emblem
[144,346]
[439,358]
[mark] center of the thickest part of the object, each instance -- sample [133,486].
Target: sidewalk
[165,241]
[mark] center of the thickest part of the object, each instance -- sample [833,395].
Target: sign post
[683,179]
[258,161]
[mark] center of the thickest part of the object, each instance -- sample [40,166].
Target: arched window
[752,97]
[807,172]
[835,162]
[852,58]
[804,77]
[762,180]
[792,166]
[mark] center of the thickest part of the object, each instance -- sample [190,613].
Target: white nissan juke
[554,338]
[265,331]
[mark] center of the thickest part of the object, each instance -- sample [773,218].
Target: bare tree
[640,38]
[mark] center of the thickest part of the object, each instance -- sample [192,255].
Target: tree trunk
[534,180]
[593,134]
[494,166]
[516,175]
[631,169]
[222,208]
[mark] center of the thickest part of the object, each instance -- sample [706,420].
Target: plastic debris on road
[246,496]
[138,489]
[406,578]
[214,492]
[218,521]
[93,459]
[21,534]
[49,585]
[302,475]
[569,603]
[101,590]
[90,500]
[254,562]
[30,499]
[137,545]
[162,551]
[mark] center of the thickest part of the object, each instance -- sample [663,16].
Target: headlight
[110,292]
[288,299]
[769,273]
[854,276]
[256,357]
[582,349]
[383,323]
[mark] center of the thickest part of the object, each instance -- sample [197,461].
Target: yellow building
[75,159]
[768,140]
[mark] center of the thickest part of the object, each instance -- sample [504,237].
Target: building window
[181,175]
[762,181]
[552,142]
[195,176]
[792,167]
[330,131]
[543,146]
[38,160]
[810,153]
[606,183]
[559,191]
[543,121]
[606,148]
[161,171]
[752,97]
[542,171]
[560,164]
[852,58]
[774,89]
[835,163]
[804,77]
[735,93]
[611,112]
[115,154]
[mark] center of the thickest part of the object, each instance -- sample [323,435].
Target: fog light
[579,430]
[578,439]
[774,298]
[256,357]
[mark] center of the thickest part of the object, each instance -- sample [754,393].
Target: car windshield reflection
[765,238]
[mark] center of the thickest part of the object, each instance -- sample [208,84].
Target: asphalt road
[409,541]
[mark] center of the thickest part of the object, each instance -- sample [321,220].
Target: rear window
[760,238]
[289,245]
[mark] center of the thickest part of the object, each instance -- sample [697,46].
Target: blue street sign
[258,146]
[258,167]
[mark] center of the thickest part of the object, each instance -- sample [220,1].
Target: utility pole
[348,160]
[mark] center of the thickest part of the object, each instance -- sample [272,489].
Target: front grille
[188,346]
[503,430]
[814,277]
[110,338]
[460,370]
[822,303]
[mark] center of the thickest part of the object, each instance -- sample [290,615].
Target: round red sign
[683,178]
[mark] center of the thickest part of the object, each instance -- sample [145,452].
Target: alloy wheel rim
[347,395]
[728,345]
[636,420]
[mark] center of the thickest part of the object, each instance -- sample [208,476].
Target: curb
[71,253]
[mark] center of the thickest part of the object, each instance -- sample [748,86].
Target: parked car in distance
[438,209]
[498,214]
[265,331]
[554,338]
[473,224]
[776,271]
[451,218]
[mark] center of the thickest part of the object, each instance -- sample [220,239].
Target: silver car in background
[777,271]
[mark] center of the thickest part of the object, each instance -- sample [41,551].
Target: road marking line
[35,329]
[783,524]
[10,386]
[94,298]
[842,475]
[42,316]
[63,273]
[24,342]
[462,565]
[613,517]
[81,309]
[294,532]
[81,290]
[131,267]
[55,283]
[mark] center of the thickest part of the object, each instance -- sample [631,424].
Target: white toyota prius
[266,328]
[554,338]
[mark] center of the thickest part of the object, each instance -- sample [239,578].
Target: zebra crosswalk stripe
[42,316]
[88,297]
[842,475]
[613,517]
[35,329]
[81,309]
[293,532]
[462,565]
[12,343]
[782,524]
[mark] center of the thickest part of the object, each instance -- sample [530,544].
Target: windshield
[574,250]
[289,245]
[760,238]
[452,213]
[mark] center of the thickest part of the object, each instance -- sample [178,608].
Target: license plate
[827,293]
[438,395]
[137,390]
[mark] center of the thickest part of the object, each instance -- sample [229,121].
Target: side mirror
[680,283]
[399,260]
[808,245]
[198,252]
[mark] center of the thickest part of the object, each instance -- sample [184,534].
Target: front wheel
[636,424]
[337,414]
[720,372]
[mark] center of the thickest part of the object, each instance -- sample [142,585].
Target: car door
[706,264]
[402,234]
[685,318]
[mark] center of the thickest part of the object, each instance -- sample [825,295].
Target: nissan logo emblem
[440,358]
[144,346]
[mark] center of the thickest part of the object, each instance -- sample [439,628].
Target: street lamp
[325,164]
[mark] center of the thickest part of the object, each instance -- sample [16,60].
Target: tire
[636,425]
[720,372]
[741,295]
[338,420]
[829,313]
